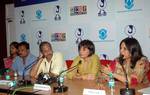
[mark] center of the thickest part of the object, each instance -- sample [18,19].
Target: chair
[111,63]
[68,63]
[7,62]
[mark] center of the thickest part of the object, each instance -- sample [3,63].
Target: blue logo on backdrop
[22,20]
[79,35]
[130,30]
[38,14]
[129,4]
[103,34]
[101,4]
[22,37]
[57,12]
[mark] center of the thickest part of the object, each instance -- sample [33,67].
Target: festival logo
[55,37]
[79,35]
[22,20]
[23,37]
[78,10]
[129,4]
[57,13]
[101,4]
[102,34]
[39,36]
[130,30]
[38,14]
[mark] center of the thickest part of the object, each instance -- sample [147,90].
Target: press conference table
[75,87]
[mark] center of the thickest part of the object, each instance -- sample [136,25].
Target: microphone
[60,80]
[70,69]
[127,90]
[121,59]
[24,82]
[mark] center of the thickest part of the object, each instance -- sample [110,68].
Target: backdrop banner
[19,3]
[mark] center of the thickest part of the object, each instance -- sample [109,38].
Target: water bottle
[111,83]
[15,76]
[61,81]
[7,76]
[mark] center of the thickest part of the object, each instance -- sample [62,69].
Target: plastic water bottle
[61,81]
[15,76]
[111,83]
[7,76]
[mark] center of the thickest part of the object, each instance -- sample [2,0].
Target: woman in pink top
[13,53]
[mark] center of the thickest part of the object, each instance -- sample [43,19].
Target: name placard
[93,92]
[42,87]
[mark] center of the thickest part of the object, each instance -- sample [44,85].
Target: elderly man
[49,61]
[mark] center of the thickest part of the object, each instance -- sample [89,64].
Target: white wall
[117,18]
[10,25]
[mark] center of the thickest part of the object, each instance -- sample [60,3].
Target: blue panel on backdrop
[19,3]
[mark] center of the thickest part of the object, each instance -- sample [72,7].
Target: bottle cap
[110,75]
[61,79]
[15,74]
[7,70]
[7,77]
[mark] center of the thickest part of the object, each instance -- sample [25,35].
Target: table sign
[145,91]
[42,87]
[93,92]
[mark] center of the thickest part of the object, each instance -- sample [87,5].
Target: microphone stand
[127,90]
[24,82]
[60,79]
[60,88]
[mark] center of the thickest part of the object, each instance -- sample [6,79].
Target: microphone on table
[127,90]
[24,82]
[60,80]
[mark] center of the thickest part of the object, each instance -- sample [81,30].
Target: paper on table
[93,92]
[145,91]
[7,83]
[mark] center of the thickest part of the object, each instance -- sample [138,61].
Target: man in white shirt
[49,61]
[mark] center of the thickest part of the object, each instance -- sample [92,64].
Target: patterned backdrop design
[65,23]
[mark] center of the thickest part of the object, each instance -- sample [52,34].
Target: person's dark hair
[44,43]
[15,44]
[87,44]
[27,46]
[134,49]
